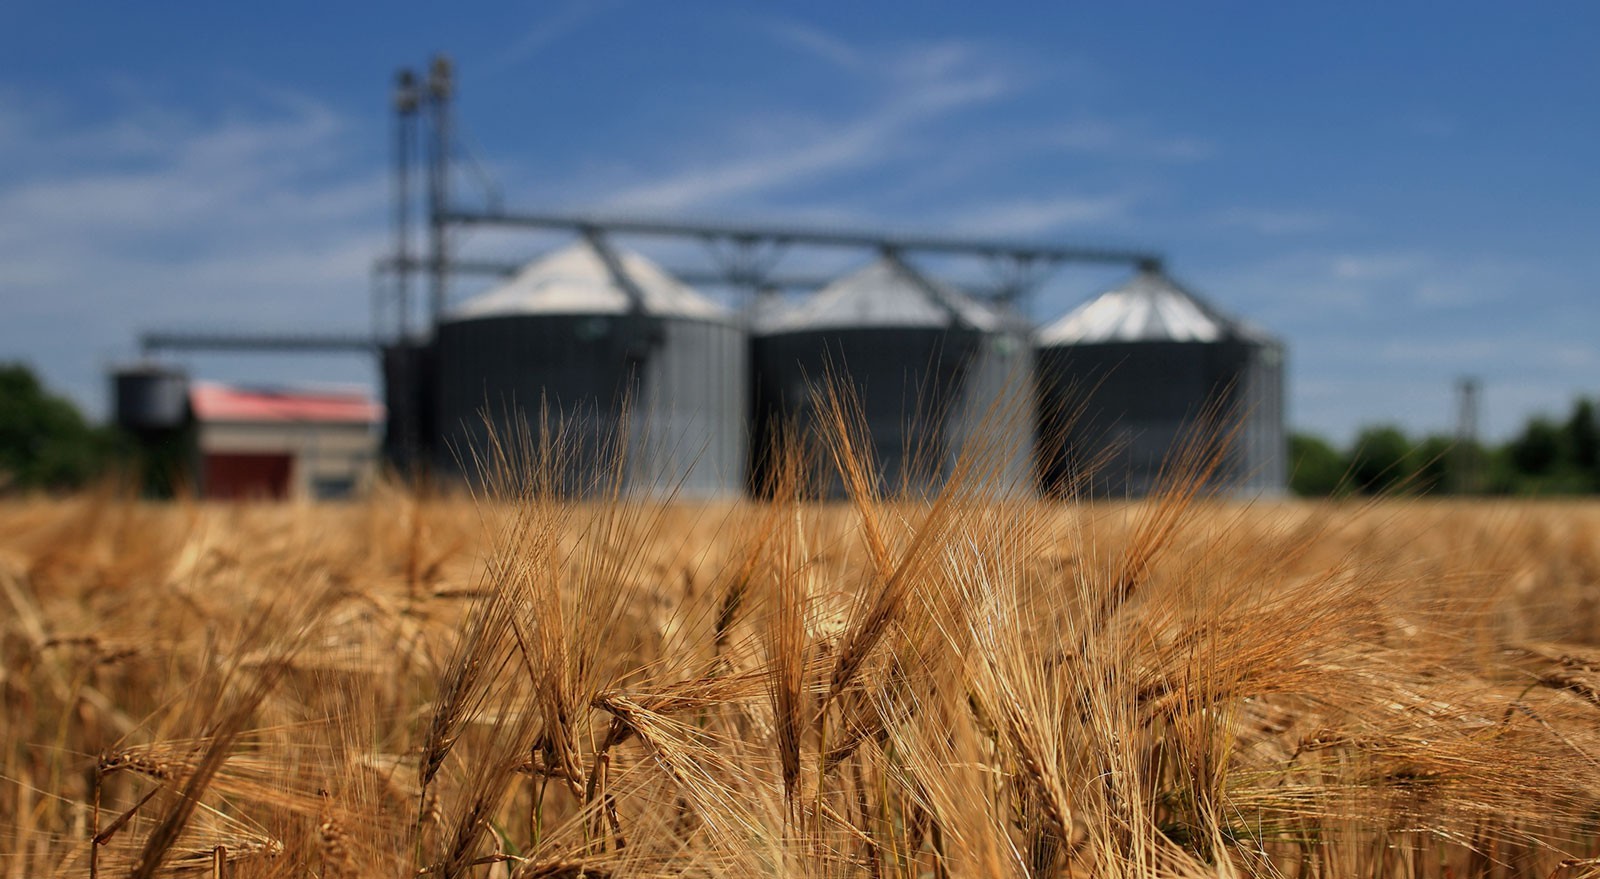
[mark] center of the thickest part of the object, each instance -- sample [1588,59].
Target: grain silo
[610,346]
[1127,378]
[932,369]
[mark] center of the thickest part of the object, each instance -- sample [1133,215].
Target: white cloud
[1036,216]
[915,90]
[543,32]
[916,87]
[818,43]
[259,217]
[1521,352]
[932,61]
[1376,266]
[1382,335]
[1405,287]
[697,186]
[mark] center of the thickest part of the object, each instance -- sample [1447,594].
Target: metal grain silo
[1128,377]
[933,371]
[610,346]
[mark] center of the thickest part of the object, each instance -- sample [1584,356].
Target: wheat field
[962,686]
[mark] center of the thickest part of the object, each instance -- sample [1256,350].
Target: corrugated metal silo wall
[570,372]
[689,425]
[1264,439]
[994,421]
[911,384]
[1113,416]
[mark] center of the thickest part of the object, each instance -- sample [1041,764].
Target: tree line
[1547,457]
[46,444]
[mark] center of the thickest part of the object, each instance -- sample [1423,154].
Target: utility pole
[406,102]
[441,86]
[404,419]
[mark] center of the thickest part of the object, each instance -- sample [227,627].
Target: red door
[246,477]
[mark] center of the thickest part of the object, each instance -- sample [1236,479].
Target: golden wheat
[970,684]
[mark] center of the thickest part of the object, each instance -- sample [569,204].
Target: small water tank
[931,368]
[1126,379]
[150,397]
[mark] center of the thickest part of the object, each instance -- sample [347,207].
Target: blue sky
[1405,192]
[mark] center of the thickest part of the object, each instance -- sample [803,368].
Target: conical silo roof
[642,378]
[887,293]
[1150,307]
[576,280]
[1141,372]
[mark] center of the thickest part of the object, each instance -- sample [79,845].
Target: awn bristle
[976,683]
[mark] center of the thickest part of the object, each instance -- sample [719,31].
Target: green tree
[1436,465]
[1380,460]
[1583,437]
[44,440]
[1316,469]
[1538,450]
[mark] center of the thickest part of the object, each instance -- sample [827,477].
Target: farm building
[926,363]
[1129,377]
[283,444]
[228,442]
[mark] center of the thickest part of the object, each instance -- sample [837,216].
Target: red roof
[218,402]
